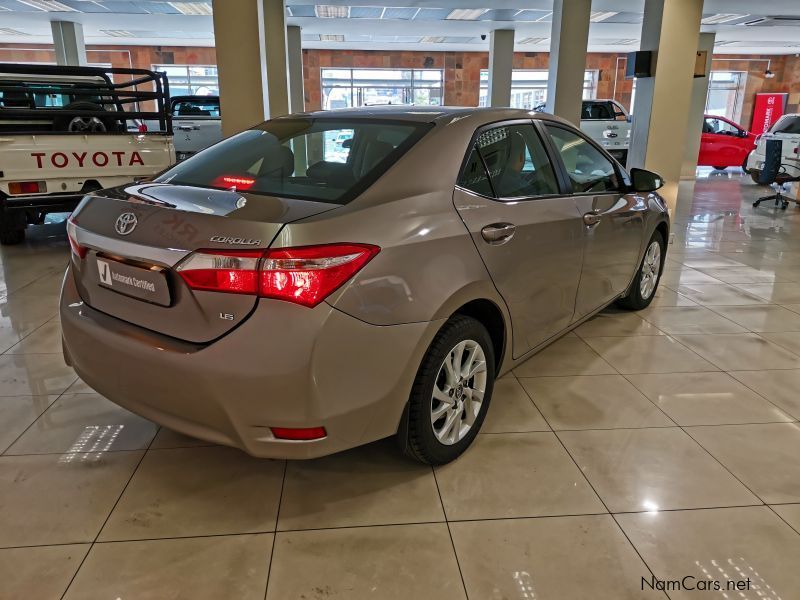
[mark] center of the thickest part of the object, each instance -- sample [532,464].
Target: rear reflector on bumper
[304,275]
[305,434]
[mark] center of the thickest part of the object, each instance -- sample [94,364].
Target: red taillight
[221,271]
[307,275]
[72,235]
[303,434]
[27,187]
[142,128]
[304,275]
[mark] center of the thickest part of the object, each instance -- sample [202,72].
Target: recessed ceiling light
[533,40]
[325,37]
[722,18]
[467,14]
[192,8]
[49,5]
[118,32]
[327,11]
[432,39]
[598,16]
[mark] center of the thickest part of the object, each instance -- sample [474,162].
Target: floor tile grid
[275,529]
[31,424]
[108,516]
[616,522]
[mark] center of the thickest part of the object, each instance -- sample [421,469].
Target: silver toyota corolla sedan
[328,279]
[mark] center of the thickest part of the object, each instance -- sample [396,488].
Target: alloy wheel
[458,392]
[651,267]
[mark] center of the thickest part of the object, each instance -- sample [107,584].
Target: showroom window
[191,80]
[345,88]
[529,87]
[725,93]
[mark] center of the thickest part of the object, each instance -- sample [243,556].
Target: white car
[786,129]
[196,122]
[607,123]
[64,133]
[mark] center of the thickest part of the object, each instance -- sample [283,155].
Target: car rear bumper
[286,366]
[46,202]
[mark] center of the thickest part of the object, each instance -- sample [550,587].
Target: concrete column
[697,108]
[273,19]
[568,40]
[661,108]
[250,39]
[68,41]
[501,65]
[297,102]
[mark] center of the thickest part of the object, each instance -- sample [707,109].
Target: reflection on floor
[642,449]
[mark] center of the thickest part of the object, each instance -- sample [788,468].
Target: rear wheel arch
[490,316]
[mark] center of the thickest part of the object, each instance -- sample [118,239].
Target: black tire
[720,168]
[755,175]
[633,300]
[102,124]
[12,237]
[416,434]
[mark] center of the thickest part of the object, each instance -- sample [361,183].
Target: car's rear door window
[516,161]
[588,169]
[326,160]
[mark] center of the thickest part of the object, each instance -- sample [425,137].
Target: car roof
[427,114]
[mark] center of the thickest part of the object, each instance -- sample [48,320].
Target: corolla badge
[126,223]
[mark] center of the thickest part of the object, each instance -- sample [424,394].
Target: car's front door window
[517,162]
[588,169]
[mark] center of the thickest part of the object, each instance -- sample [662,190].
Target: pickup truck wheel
[11,237]
[80,124]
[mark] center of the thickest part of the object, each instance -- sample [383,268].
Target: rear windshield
[326,160]
[787,124]
[195,107]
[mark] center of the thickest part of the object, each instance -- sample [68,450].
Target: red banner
[768,108]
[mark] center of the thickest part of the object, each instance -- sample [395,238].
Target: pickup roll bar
[116,87]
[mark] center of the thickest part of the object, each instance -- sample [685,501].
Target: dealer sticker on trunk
[144,284]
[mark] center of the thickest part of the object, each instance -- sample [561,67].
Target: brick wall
[461,69]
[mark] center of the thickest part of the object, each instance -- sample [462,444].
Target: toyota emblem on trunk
[126,223]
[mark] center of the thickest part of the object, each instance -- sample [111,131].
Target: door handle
[592,218]
[498,233]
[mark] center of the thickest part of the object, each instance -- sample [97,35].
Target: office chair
[773,172]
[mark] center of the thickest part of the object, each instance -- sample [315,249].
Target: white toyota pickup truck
[196,122]
[608,123]
[64,133]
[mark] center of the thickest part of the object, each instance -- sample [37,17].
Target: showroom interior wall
[461,69]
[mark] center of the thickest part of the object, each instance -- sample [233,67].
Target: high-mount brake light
[304,275]
[237,182]
[72,236]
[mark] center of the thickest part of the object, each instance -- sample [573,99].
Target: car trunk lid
[136,236]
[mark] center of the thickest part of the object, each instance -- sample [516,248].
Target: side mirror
[348,143]
[645,181]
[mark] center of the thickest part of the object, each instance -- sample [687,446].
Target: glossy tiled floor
[663,443]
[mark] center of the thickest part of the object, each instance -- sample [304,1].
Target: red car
[724,144]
